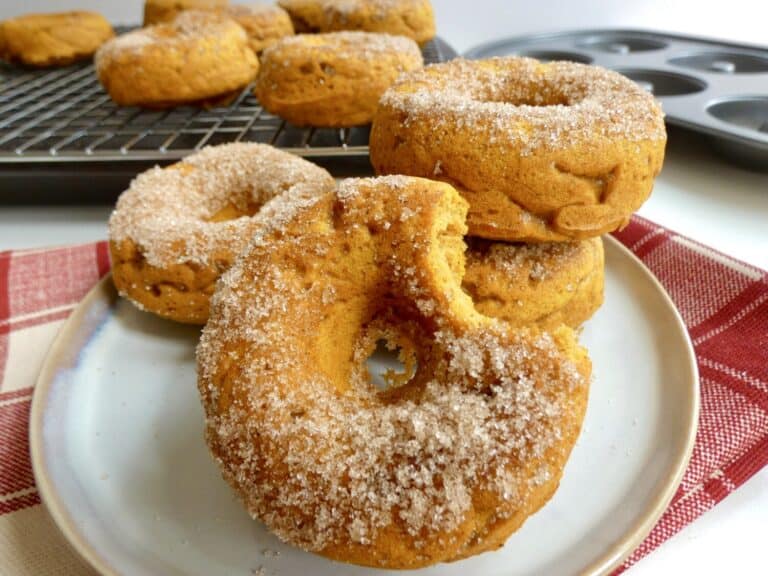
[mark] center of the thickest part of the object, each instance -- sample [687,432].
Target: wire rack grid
[64,115]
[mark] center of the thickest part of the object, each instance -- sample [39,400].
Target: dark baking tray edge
[475,50]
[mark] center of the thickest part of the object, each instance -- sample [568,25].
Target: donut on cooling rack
[157,11]
[176,229]
[547,284]
[411,18]
[542,152]
[198,57]
[265,24]
[445,463]
[332,79]
[57,39]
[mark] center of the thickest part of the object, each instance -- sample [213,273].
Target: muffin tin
[716,88]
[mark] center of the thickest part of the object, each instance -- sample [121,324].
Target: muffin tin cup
[716,88]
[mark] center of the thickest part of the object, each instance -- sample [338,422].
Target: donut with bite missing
[446,462]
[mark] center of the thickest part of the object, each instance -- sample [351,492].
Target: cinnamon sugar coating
[332,79]
[158,11]
[450,459]
[176,229]
[554,151]
[412,18]
[265,24]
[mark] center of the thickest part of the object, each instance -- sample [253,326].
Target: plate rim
[610,559]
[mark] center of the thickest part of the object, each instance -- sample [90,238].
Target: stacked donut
[548,155]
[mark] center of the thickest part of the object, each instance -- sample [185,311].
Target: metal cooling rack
[64,115]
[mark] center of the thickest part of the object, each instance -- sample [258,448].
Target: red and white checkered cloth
[724,303]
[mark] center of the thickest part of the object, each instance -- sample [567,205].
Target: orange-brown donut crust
[543,152]
[411,18]
[265,24]
[546,284]
[57,39]
[445,463]
[198,57]
[159,11]
[332,79]
[175,230]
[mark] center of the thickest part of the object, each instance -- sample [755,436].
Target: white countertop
[697,194]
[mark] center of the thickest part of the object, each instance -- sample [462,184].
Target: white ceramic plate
[119,456]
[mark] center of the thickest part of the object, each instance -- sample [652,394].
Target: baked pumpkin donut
[198,57]
[53,39]
[265,24]
[546,284]
[452,457]
[158,11]
[176,229]
[543,152]
[411,18]
[332,79]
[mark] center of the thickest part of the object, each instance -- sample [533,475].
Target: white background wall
[465,23]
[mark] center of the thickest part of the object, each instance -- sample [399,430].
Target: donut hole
[386,354]
[535,96]
[232,212]
[390,365]
[524,90]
